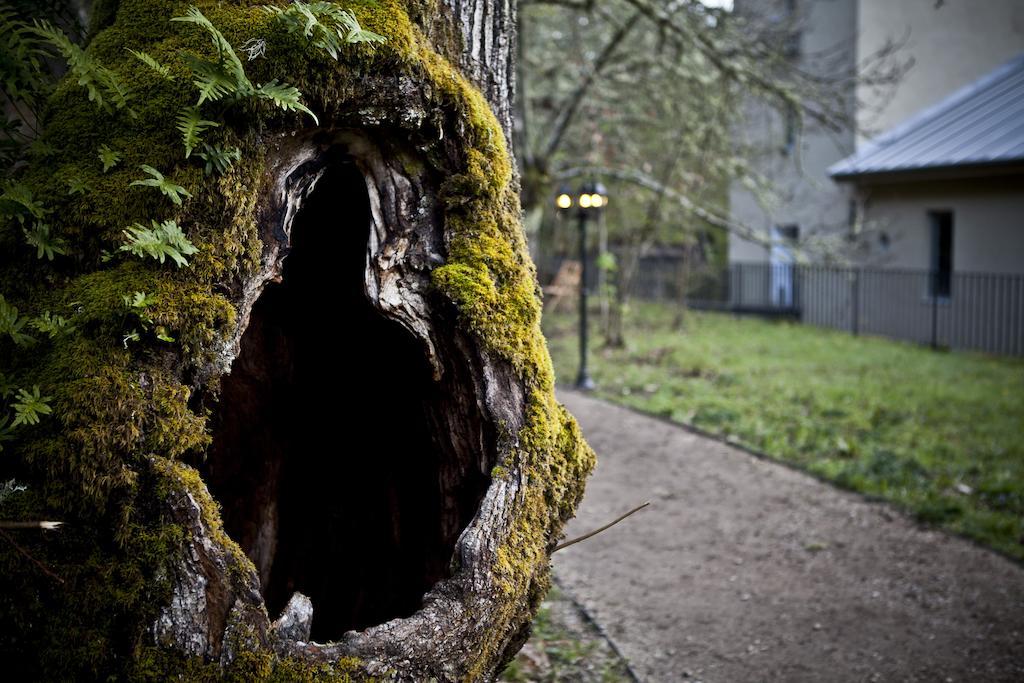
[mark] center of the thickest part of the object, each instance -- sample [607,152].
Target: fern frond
[45,244]
[139,300]
[160,241]
[6,432]
[98,80]
[52,325]
[109,157]
[219,159]
[156,66]
[172,190]
[212,80]
[29,406]
[192,125]
[78,186]
[23,75]
[11,324]
[7,387]
[228,62]
[285,96]
[17,201]
[325,24]
[139,303]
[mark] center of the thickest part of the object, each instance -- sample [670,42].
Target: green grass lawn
[941,434]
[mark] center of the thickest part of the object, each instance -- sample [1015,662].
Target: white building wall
[952,44]
[988,222]
[808,197]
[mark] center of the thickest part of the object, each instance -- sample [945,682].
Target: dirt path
[744,570]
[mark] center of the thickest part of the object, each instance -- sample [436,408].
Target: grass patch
[940,434]
[564,648]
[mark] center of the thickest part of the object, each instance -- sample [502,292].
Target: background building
[929,203]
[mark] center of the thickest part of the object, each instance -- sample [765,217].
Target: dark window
[790,124]
[791,45]
[941,281]
[789,233]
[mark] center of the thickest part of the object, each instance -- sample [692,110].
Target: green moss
[82,625]
[123,417]
[175,477]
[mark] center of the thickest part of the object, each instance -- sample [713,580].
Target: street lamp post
[588,203]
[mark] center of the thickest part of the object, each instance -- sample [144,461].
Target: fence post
[856,302]
[739,293]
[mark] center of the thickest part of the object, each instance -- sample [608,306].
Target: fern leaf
[11,324]
[29,406]
[45,244]
[52,325]
[17,201]
[212,80]
[219,159]
[169,189]
[285,96]
[139,300]
[192,125]
[325,24]
[160,241]
[23,75]
[98,80]
[78,186]
[109,157]
[156,66]
[227,60]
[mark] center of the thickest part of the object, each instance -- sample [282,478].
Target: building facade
[928,190]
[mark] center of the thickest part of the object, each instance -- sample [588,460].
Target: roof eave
[926,173]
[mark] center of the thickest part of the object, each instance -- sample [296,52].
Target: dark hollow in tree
[424,322]
[325,458]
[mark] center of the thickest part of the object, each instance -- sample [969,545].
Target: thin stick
[597,531]
[27,554]
[49,526]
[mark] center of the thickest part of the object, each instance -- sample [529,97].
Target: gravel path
[745,570]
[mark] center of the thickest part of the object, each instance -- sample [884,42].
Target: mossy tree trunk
[350,461]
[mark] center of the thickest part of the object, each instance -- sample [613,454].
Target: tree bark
[209,440]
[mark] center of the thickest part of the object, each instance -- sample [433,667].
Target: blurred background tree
[653,98]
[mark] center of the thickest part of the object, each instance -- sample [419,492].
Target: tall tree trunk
[350,461]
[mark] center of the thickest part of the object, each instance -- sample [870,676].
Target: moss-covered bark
[116,459]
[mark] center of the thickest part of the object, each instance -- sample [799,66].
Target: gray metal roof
[980,124]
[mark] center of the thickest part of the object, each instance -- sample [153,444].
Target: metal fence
[976,311]
[971,311]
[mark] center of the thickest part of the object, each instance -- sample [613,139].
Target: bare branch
[643,180]
[571,105]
